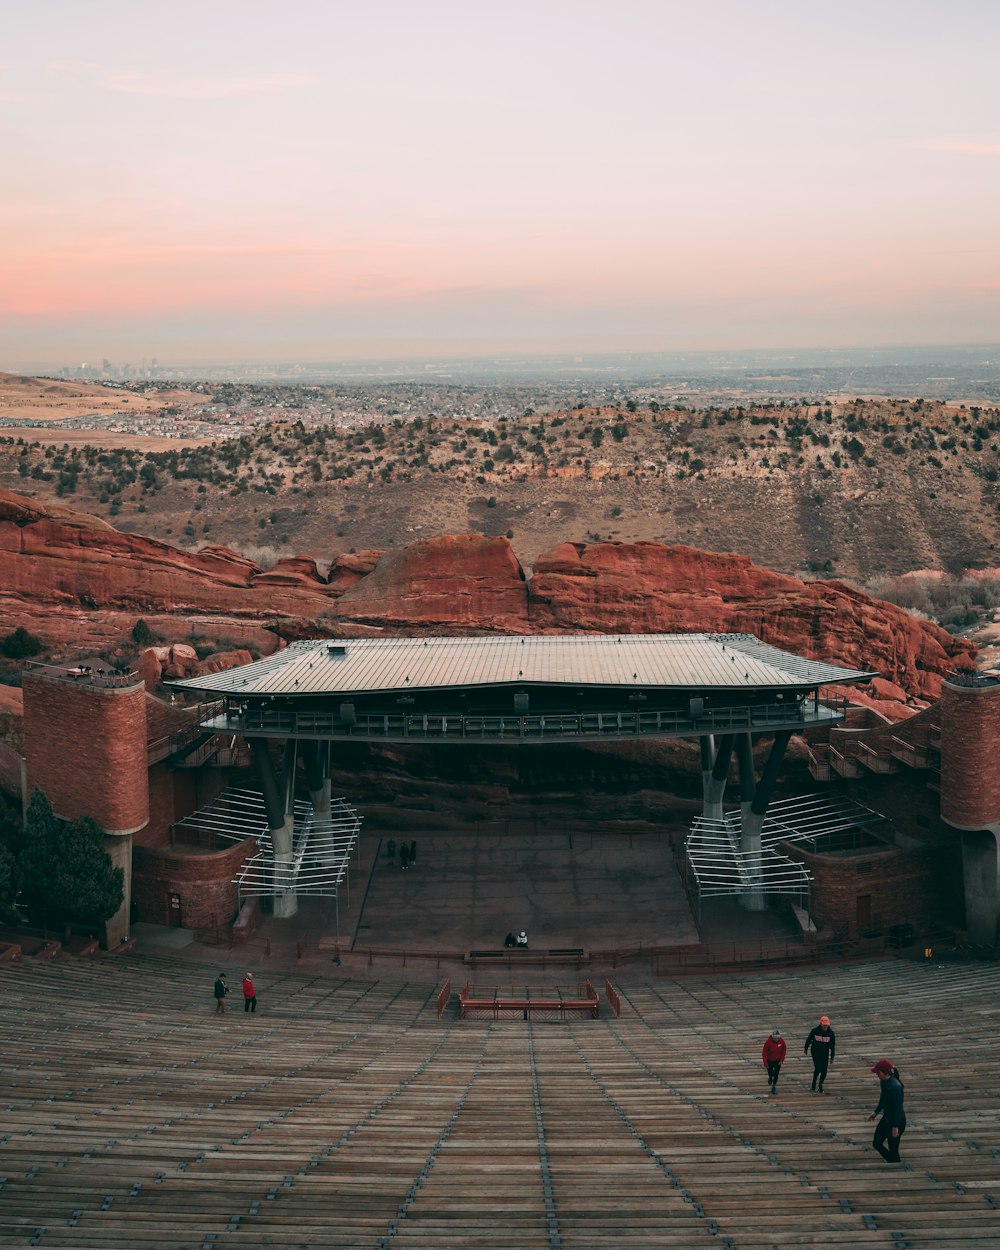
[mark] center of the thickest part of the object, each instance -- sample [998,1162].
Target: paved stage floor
[598,891]
[467,891]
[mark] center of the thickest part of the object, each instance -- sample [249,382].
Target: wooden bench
[515,956]
[347,1112]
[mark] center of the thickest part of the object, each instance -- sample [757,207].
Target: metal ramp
[321,847]
[718,866]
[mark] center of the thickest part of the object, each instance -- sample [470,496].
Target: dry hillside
[853,489]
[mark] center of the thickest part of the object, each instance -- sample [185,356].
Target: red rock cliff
[637,587]
[76,581]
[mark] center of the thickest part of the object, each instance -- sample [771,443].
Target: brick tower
[85,747]
[970,791]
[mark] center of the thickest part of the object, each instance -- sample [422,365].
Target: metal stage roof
[679,662]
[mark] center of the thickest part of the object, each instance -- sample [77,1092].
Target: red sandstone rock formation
[74,580]
[220,661]
[157,664]
[293,571]
[347,570]
[639,587]
[464,584]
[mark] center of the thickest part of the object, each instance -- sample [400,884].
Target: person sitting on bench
[510,940]
[522,938]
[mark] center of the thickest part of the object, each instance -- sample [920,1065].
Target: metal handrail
[459,727]
[103,677]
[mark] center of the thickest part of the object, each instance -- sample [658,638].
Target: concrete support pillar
[981,873]
[280,819]
[706,746]
[712,801]
[118,928]
[316,760]
[748,779]
[754,898]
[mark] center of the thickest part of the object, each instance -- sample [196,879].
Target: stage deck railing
[402,726]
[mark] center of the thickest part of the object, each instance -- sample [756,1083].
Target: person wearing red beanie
[892,1125]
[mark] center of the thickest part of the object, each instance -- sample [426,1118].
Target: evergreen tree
[10,880]
[142,635]
[66,870]
[10,846]
[19,645]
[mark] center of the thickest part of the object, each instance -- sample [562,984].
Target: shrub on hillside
[19,645]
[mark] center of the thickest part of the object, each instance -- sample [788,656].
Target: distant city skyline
[315,181]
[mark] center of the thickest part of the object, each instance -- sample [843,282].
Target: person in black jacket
[892,1125]
[822,1041]
[221,990]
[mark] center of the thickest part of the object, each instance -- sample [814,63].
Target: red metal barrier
[444,994]
[613,997]
[506,1003]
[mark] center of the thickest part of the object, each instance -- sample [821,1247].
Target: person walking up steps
[773,1053]
[892,1125]
[249,994]
[822,1041]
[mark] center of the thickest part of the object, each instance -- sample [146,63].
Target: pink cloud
[963,147]
[181,87]
[133,82]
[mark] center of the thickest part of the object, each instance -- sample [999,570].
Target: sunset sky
[312,179]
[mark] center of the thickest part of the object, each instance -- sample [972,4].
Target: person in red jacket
[773,1053]
[249,994]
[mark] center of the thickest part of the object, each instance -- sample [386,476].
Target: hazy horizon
[307,181]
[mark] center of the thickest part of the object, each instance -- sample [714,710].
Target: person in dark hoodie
[892,1125]
[822,1041]
[773,1053]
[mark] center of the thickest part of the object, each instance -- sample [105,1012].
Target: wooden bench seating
[348,1113]
[525,956]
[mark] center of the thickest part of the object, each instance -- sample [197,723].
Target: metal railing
[87,675]
[844,764]
[513,728]
[877,759]
[169,744]
[912,754]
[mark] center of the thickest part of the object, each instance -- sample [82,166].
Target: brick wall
[175,793]
[970,748]
[904,887]
[10,773]
[204,881]
[85,747]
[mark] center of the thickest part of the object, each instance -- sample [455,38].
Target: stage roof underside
[667,662]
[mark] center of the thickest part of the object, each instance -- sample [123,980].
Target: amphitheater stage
[565,890]
[599,892]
